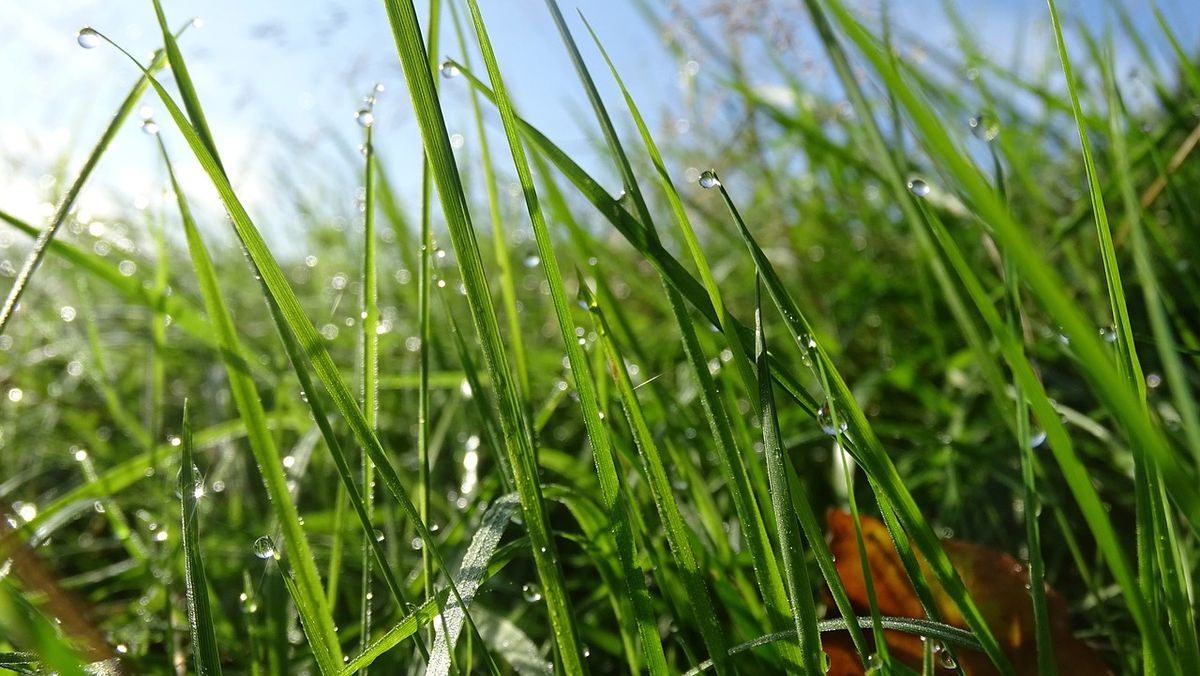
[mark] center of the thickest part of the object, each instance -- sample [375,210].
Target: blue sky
[275,76]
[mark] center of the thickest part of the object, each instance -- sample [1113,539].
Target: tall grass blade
[612,493]
[319,623]
[795,568]
[411,49]
[200,616]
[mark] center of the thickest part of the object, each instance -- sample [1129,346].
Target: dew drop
[874,664]
[365,117]
[378,535]
[532,260]
[532,592]
[87,37]
[709,179]
[826,421]
[149,127]
[984,127]
[1153,380]
[1108,334]
[1038,438]
[946,660]
[417,543]
[448,70]
[264,548]
[919,187]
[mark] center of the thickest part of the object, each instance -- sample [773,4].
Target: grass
[605,427]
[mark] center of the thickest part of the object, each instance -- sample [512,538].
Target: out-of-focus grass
[943,340]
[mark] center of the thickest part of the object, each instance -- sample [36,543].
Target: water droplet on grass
[1108,334]
[365,117]
[448,70]
[919,187]
[532,592]
[825,419]
[88,37]
[150,127]
[709,179]
[984,127]
[264,548]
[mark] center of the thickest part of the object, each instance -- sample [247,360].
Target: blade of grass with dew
[315,612]
[425,284]
[1180,617]
[795,568]
[614,497]
[369,366]
[1031,500]
[200,615]
[471,571]
[1048,288]
[295,328]
[634,232]
[934,631]
[741,359]
[678,538]
[411,50]
[873,458]
[766,567]
[46,237]
[508,289]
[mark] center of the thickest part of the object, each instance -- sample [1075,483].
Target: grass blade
[612,494]
[200,617]
[795,570]
[413,57]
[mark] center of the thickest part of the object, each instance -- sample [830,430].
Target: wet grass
[605,419]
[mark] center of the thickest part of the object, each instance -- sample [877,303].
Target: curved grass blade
[871,455]
[795,569]
[615,499]
[414,59]
[200,616]
[935,631]
[699,598]
[749,513]
[311,601]
[42,243]
[470,575]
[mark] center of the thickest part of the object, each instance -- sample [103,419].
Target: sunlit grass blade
[870,455]
[699,597]
[749,512]
[474,567]
[319,625]
[44,239]
[612,492]
[795,568]
[200,616]
[931,631]
[414,59]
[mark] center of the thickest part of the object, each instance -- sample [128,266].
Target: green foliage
[941,341]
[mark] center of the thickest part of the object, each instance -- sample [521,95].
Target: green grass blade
[411,49]
[795,569]
[311,599]
[44,239]
[749,514]
[871,456]
[699,597]
[615,499]
[200,616]
[369,337]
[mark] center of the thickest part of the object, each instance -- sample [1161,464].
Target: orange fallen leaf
[997,582]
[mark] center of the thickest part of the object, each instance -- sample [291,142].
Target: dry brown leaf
[997,582]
